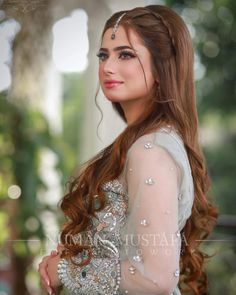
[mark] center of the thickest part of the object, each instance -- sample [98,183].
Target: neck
[133,110]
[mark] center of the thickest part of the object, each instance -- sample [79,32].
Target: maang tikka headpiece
[116,26]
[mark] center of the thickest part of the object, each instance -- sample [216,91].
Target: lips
[112,83]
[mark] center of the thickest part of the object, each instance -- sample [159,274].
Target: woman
[137,213]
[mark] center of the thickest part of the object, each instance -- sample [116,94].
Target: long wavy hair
[167,38]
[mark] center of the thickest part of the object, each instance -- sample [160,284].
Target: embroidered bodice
[136,238]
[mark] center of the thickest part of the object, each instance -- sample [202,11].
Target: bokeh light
[14,192]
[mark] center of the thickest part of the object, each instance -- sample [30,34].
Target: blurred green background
[42,141]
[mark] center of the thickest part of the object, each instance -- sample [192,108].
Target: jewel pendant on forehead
[113,35]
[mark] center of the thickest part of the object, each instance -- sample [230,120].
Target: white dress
[136,240]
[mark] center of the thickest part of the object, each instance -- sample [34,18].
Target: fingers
[43,269]
[47,288]
[54,253]
[60,247]
[45,281]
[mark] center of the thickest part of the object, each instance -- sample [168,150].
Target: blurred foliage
[72,121]
[212,26]
[23,132]
[221,161]
[24,135]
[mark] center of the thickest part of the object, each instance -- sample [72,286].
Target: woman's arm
[151,235]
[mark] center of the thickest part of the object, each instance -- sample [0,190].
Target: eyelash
[124,55]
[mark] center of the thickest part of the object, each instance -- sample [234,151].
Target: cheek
[133,72]
[148,74]
[138,74]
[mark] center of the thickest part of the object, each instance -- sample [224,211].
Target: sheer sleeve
[151,238]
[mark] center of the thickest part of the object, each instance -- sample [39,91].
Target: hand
[48,271]
[44,277]
[52,272]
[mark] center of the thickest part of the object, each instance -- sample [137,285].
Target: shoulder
[164,142]
[165,146]
[145,150]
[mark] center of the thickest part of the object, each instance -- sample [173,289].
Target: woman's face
[120,72]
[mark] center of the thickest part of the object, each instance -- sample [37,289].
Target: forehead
[121,39]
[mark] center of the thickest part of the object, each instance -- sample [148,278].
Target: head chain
[113,35]
[157,16]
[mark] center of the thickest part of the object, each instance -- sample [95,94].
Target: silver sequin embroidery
[100,276]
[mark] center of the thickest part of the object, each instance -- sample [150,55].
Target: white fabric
[165,203]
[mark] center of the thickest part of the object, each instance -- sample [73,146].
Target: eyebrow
[117,48]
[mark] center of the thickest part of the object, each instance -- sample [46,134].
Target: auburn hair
[167,38]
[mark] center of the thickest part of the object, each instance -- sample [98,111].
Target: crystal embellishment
[137,258]
[148,145]
[144,222]
[150,181]
[114,186]
[176,273]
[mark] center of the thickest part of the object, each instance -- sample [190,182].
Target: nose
[110,65]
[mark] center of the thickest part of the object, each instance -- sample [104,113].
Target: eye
[126,55]
[102,56]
